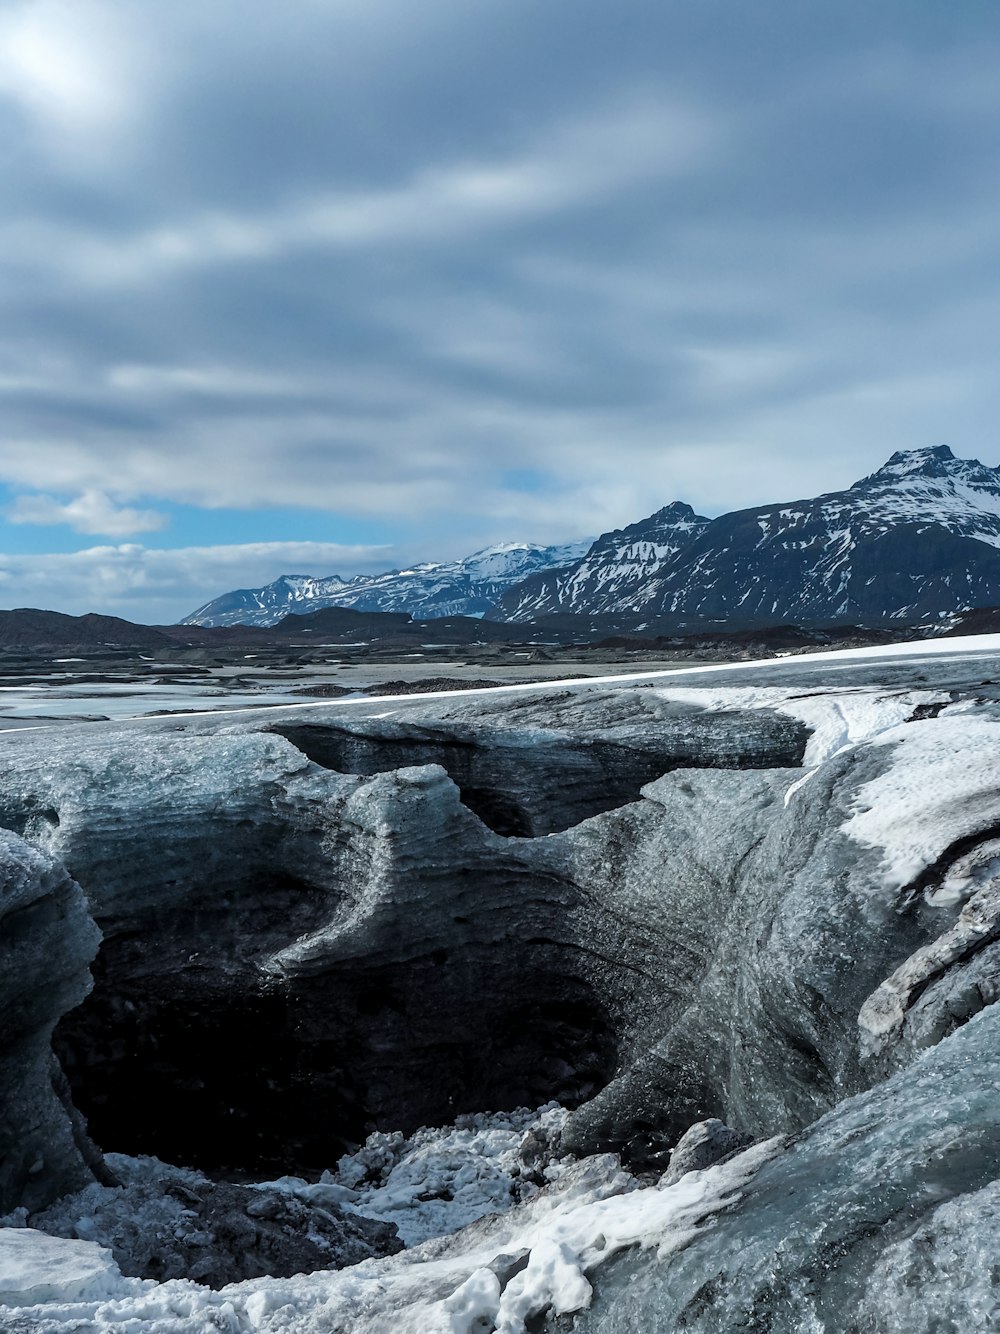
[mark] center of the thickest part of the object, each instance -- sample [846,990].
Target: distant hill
[27,627]
[340,621]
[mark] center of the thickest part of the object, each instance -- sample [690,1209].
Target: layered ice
[820,973]
[881,1218]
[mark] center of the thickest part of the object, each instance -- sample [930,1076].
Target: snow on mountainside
[918,539]
[468,587]
[613,572]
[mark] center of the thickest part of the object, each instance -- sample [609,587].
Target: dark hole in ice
[520,788]
[189,1048]
[240,1079]
[497,811]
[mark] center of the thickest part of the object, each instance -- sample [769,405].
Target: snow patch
[837,721]
[35,1268]
[942,783]
[493,1276]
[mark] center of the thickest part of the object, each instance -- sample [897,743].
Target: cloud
[573,163]
[91,512]
[71,69]
[450,273]
[161,586]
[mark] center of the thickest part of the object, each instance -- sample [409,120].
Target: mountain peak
[467,587]
[934,461]
[677,509]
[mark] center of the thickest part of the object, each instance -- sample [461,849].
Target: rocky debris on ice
[702,1145]
[167,1222]
[439,1180]
[503,1273]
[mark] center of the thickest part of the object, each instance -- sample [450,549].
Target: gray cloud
[503,270]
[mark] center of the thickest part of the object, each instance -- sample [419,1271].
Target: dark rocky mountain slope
[915,541]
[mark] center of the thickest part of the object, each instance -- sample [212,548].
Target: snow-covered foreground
[496,1275]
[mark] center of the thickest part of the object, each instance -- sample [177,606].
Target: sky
[330,286]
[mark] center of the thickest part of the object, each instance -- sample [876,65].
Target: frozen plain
[769,889]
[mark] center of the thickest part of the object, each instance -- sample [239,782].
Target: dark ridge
[28,627]
[978,621]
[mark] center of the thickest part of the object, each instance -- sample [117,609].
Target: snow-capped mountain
[918,539]
[468,587]
[613,573]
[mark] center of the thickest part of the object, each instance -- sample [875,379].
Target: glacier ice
[47,941]
[817,971]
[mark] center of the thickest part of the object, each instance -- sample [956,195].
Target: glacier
[661,1003]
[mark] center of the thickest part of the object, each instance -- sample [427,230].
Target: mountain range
[469,587]
[917,540]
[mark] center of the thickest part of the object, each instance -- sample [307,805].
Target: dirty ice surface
[51,702]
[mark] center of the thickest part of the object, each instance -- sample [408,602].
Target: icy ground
[496,1275]
[439,1180]
[884,1207]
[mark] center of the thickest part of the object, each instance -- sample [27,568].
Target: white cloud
[207,381]
[160,586]
[384,259]
[70,67]
[92,512]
